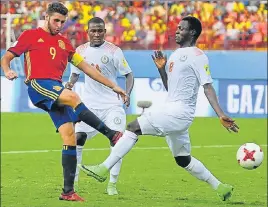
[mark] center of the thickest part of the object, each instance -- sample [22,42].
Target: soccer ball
[249,156]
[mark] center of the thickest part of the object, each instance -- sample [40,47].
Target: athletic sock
[122,147]
[69,166]
[87,116]
[115,170]
[198,170]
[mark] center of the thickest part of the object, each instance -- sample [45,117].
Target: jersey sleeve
[201,67]
[78,52]
[120,63]
[22,45]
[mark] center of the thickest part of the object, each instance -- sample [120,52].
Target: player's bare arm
[226,121]
[5,65]
[73,79]
[97,76]
[160,61]
[129,86]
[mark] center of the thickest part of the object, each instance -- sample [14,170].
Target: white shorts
[114,118]
[165,123]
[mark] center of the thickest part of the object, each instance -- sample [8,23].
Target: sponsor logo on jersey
[104,59]
[40,40]
[206,67]
[57,88]
[117,120]
[61,44]
[183,58]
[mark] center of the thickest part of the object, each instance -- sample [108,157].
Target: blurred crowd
[152,24]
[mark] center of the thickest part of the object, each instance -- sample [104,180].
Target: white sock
[198,170]
[79,150]
[122,147]
[114,172]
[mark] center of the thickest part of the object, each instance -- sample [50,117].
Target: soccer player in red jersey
[46,54]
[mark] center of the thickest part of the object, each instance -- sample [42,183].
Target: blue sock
[87,116]
[69,162]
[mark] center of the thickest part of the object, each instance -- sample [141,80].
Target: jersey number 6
[52,51]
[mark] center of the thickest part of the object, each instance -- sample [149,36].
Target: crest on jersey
[183,58]
[104,59]
[117,120]
[57,88]
[61,44]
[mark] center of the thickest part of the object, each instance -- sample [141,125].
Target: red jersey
[45,55]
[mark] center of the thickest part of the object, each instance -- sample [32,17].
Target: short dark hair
[96,20]
[194,24]
[57,7]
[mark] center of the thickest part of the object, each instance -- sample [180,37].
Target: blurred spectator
[152,24]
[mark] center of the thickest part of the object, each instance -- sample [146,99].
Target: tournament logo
[183,58]
[61,44]
[117,120]
[124,63]
[104,59]
[206,67]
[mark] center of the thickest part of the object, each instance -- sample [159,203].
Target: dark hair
[194,24]
[57,7]
[96,20]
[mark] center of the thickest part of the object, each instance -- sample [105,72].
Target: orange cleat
[71,196]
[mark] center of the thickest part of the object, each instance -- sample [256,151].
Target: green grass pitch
[149,175]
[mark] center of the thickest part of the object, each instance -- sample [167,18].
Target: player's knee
[69,98]
[134,127]
[183,161]
[81,138]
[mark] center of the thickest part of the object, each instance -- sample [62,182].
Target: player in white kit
[186,69]
[101,100]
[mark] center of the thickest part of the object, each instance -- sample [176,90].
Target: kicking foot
[111,189]
[99,172]
[225,191]
[116,137]
[71,196]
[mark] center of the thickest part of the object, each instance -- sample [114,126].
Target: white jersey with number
[110,59]
[187,69]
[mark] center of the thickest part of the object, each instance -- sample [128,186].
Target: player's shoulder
[81,48]
[199,54]
[112,48]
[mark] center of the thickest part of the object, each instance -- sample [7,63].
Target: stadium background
[235,40]
[139,27]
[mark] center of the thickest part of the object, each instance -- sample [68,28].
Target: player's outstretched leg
[114,173]
[198,170]
[70,98]
[69,162]
[123,146]
[81,138]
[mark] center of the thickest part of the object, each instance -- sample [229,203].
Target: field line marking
[135,148]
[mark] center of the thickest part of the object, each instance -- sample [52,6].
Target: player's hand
[159,59]
[121,93]
[127,102]
[229,123]
[69,85]
[11,75]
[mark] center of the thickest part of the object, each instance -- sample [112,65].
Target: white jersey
[110,60]
[187,69]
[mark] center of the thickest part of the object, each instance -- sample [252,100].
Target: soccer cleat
[224,191]
[111,189]
[116,137]
[99,172]
[71,196]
